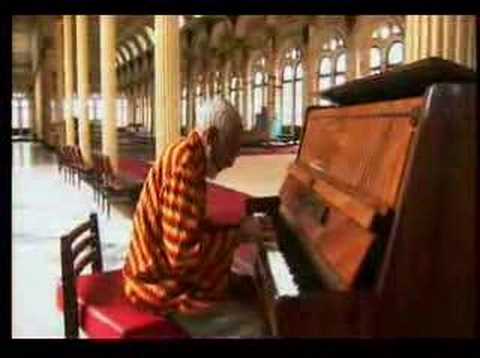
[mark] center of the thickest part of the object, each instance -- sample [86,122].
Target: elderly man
[177,260]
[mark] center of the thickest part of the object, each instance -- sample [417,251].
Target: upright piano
[373,228]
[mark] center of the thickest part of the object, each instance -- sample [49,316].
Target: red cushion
[225,206]
[105,312]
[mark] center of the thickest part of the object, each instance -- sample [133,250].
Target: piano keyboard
[283,279]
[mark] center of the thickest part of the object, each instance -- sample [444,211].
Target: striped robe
[176,260]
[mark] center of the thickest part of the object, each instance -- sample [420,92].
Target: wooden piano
[373,228]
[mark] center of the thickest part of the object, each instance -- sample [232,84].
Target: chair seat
[105,312]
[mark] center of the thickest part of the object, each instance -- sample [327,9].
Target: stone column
[83,88]
[461,38]
[131,106]
[109,88]
[452,37]
[167,81]
[309,77]
[436,35]
[38,105]
[150,107]
[425,30]
[270,66]
[68,66]
[245,101]
[60,79]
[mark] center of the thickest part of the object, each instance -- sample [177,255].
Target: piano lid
[404,81]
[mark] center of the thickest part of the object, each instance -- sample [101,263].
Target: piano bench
[105,312]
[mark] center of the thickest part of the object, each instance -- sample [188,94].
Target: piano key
[282,277]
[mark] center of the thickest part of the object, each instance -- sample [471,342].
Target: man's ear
[212,135]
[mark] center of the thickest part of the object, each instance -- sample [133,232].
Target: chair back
[79,248]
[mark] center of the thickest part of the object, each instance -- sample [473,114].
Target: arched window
[122,108]
[218,85]
[236,92]
[375,60]
[395,54]
[332,66]
[341,69]
[292,88]
[259,90]
[298,119]
[325,75]
[388,49]
[198,100]
[287,95]
[184,107]
[20,111]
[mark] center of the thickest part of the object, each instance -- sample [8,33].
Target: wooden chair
[95,302]
[96,181]
[71,247]
[113,187]
[83,172]
[66,162]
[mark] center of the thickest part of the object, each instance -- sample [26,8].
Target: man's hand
[255,228]
[249,228]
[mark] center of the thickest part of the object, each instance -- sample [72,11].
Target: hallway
[44,207]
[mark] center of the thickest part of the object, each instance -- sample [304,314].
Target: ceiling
[24,26]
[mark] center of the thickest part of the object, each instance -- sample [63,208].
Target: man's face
[225,151]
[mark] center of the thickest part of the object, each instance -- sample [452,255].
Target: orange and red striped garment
[176,260]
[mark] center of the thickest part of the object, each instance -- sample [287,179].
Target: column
[68,66]
[83,88]
[38,105]
[309,78]
[131,106]
[408,45]
[461,38]
[451,37]
[109,88]
[60,80]
[425,38]
[415,29]
[270,65]
[150,108]
[246,99]
[60,137]
[436,35]
[449,28]
[167,81]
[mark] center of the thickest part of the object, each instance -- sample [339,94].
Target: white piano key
[282,277]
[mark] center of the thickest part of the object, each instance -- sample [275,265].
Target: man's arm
[183,213]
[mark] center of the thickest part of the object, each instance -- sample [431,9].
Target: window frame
[385,44]
[332,54]
[293,57]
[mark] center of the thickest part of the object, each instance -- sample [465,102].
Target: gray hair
[220,114]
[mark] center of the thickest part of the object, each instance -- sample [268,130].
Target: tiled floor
[44,207]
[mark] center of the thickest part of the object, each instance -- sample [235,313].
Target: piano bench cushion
[105,312]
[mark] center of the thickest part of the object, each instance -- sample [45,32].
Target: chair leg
[108,208]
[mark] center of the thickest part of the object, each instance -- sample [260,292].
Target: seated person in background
[261,124]
[177,260]
[261,131]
